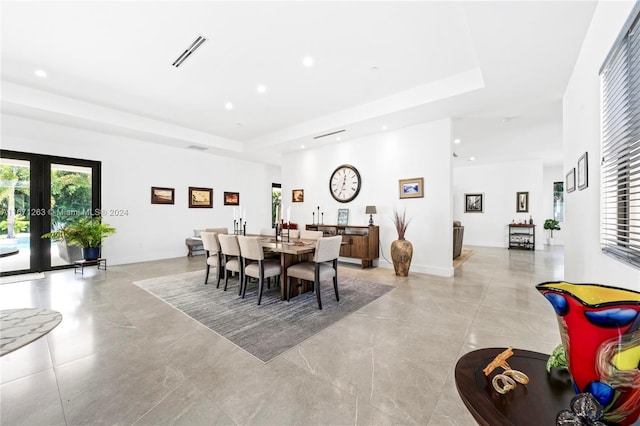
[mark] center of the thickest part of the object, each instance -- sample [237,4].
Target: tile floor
[123,357]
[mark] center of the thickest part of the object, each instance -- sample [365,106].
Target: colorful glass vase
[600,331]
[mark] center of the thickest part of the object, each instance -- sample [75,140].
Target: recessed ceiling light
[337,138]
[41,73]
[228,106]
[261,88]
[457,141]
[472,158]
[302,146]
[239,124]
[307,61]
[384,127]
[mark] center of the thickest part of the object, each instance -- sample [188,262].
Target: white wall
[551,175]
[584,261]
[499,183]
[131,167]
[417,151]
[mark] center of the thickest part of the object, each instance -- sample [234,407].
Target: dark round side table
[536,403]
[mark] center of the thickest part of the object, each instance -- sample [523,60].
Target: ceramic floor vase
[600,331]
[401,254]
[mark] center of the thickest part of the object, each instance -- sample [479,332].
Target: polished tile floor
[123,357]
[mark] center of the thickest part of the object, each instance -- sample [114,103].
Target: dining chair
[323,267]
[231,258]
[310,235]
[213,256]
[261,268]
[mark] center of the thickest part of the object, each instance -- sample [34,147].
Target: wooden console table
[358,242]
[535,404]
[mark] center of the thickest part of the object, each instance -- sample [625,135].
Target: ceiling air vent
[194,46]
[329,134]
[198,147]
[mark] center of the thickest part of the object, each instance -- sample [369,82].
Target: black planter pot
[91,253]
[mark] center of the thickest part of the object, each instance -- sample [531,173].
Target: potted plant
[401,249]
[87,232]
[551,225]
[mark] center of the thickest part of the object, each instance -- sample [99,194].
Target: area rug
[275,326]
[464,256]
[22,326]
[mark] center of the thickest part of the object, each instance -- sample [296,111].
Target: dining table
[291,252]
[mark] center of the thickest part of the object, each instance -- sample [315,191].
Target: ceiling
[498,68]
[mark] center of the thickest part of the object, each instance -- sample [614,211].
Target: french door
[37,194]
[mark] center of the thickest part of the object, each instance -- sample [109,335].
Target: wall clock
[344,183]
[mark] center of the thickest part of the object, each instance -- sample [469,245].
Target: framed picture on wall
[571,180]
[200,197]
[297,195]
[522,202]
[474,203]
[231,198]
[343,217]
[412,188]
[583,172]
[162,195]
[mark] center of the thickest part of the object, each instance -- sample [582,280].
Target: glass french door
[39,193]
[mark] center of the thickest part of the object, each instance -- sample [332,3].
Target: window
[620,112]
[558,201]
[276,203]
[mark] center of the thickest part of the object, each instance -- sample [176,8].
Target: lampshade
[370,210]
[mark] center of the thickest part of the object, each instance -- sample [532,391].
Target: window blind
[620,168]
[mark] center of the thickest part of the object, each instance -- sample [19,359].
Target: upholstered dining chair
[323,267]
[310,235]
[231,258]
[213,256]
[262,268]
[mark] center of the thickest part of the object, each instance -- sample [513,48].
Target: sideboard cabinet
[522,236]
[359,242]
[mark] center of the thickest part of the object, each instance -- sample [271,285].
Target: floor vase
[401,254]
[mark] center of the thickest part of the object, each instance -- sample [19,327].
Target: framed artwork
[522,202]
[343,217]
[583,172]
[411,188]
[474,203]
[162,195]
[571,180]
[231,198]
[200,198]
[297,195]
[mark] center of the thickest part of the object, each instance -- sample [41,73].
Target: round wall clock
[344,183]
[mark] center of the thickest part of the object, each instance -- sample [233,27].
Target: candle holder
[313,221]
[288,231]
[323,218]
[244,229]
[235,224]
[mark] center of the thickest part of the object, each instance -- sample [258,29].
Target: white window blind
[620,171]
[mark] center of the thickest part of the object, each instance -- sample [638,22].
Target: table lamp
[370,210]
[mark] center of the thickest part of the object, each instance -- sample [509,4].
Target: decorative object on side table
[557,359]
[585,410]
[87,232]
[401,249]
[370,210]
[600,331]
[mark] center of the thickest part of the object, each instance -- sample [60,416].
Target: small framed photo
[571,180]
[522,202]
[200,198]
[231,198]
[162,195]
[297,195]
[474,203]
[411,188]
[583,172]
[343,217]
